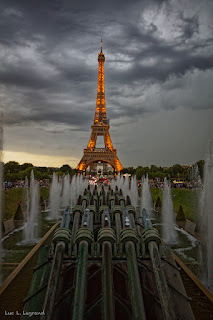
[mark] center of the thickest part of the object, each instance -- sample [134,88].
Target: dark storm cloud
[48,52]
[74,118]
[24,77]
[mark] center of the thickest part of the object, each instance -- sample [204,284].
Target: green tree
[154,168]
[11,167]
[160,175]
[24,166]
[177,168]
[66,169]
[169,173]
[74,171]
[151,175]
[139,173]
[131,170]
[187,173]
[27,173]
[42,169]
[12,177]
[146,171]
[124,170]
[45,175]
[37,174]
[59,173]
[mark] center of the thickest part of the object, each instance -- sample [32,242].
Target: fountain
[1,187]
[206,216]
[30,232]
[27,198]
[126,186]
[83,183]
[86,183]
[168,218]
[73,194]
[112,184]
[66,191]
[55,197]
[146,197]
[118,180]
[134,191]
[195,179]
[78,184]
[121,182]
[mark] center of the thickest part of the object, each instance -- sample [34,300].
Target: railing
[101,150]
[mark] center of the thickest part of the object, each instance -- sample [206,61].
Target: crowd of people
[21,184]
[153,184]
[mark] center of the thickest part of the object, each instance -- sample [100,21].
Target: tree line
[176,171]
[14,171]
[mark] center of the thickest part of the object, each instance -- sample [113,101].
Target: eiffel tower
[100,127]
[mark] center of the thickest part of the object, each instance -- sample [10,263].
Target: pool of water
[188,248]
[13,249]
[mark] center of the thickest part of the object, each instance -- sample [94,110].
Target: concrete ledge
[14,289]
[198,283]
[26,259]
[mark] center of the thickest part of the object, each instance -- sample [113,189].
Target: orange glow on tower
[100,127]
[100,112]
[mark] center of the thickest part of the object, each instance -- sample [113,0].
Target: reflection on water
[188,248]
[14,251]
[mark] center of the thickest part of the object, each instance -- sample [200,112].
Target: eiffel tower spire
[100,112]
[100,127]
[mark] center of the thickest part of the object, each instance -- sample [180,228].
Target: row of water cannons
[107,209]
[109,228]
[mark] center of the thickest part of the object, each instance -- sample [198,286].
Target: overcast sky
[158,79]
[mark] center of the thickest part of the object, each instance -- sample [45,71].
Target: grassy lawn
[187,198]
[44,192]
[12,197]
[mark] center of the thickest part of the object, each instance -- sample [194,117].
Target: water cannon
[107,222]
[126,219]
[86,219]
[146,219]
[65,222]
